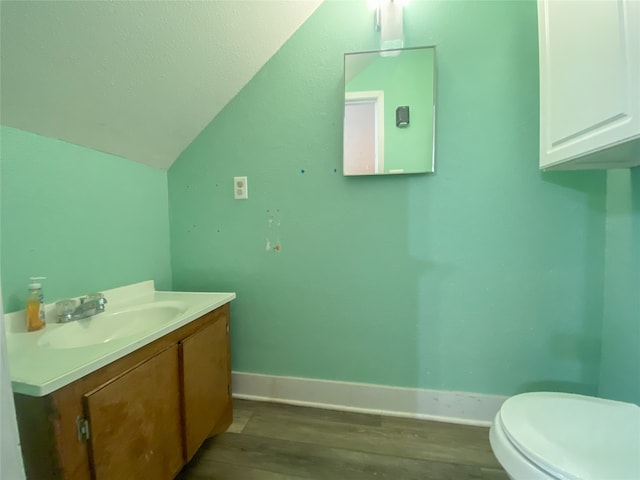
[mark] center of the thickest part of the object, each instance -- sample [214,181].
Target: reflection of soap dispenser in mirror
[35,305]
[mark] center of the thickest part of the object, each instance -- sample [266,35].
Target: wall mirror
[389,111]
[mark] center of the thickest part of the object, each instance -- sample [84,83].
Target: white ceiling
[138,79]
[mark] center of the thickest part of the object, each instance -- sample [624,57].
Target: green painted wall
[486,276]
[620,375]
[406,79]
[84,219]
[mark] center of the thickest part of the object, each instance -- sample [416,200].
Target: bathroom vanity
[147,404]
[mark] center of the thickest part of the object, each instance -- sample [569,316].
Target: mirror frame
[373,126]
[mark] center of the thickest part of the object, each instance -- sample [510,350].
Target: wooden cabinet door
[206,381]
[135,422]
[589,81]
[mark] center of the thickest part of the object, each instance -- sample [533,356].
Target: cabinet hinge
[227,328]
[83,429]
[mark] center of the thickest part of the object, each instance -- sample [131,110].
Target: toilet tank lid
[574,436]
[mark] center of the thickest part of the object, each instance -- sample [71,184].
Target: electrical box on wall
[240,188]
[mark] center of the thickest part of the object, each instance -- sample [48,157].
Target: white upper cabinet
[589,83]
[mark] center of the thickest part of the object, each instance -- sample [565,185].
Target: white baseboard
[455,407]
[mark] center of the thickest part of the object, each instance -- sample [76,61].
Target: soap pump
[35,305]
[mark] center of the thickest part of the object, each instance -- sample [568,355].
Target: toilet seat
[515,464]
[574,437]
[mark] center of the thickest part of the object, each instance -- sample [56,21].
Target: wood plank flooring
[269,441]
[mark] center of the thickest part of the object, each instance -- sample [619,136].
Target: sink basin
[110,326]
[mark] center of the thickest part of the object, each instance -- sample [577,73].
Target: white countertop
[39,370]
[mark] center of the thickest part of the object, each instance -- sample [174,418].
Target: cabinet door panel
[206,383]
[135,422]
[589,77]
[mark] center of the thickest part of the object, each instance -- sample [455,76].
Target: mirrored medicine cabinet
[389,111]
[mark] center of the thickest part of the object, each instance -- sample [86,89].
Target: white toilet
[545,435]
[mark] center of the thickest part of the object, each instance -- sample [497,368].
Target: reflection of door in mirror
[364,128]
[374,143]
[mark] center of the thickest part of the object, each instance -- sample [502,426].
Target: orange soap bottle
[35,306]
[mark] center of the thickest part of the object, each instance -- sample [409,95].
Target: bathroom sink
[110,326]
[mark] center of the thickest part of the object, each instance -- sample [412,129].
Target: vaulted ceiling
[137,79]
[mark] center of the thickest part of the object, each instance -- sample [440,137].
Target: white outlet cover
[240,188]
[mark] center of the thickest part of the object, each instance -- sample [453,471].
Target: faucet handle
[97,297]
[65,309]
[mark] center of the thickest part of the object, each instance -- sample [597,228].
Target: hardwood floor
[269,441]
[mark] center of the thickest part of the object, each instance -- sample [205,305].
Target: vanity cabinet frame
[50,426]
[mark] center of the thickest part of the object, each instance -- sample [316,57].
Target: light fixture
[389,23]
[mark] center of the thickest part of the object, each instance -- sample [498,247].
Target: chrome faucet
[70,310]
